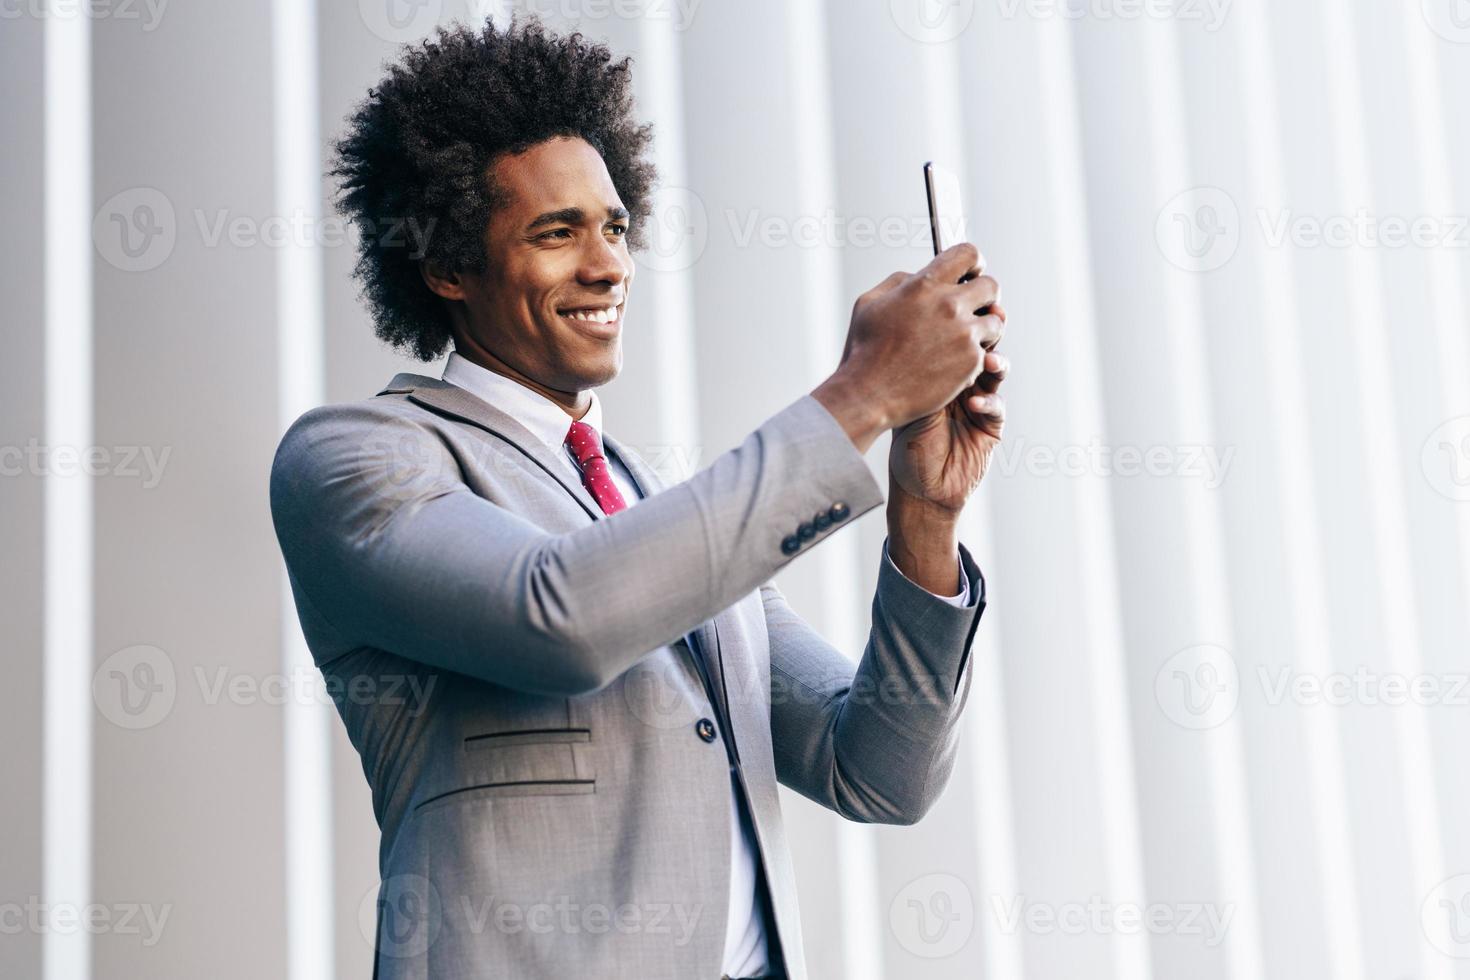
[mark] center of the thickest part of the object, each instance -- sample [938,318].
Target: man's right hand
[915,343]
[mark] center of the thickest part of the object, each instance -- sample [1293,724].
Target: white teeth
[595,316]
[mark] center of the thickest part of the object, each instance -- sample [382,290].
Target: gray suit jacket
[547,765]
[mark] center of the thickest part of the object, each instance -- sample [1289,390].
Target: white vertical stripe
[1235,865]
[661,95]
[308,782]
[1301,545]
[67,739]
[1096,555]
[988,751]
[1368,318]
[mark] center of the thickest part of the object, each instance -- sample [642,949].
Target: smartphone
[946,210]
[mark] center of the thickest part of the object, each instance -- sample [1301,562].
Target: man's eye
[558,232]
[620,229]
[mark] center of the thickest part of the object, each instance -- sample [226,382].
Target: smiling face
[548,309]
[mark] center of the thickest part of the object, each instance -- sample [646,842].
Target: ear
[443,283]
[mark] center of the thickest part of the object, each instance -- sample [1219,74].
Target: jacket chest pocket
[523,762]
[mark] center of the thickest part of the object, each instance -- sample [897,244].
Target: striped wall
[1220,692]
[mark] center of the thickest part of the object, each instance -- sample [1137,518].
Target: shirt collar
[544,418]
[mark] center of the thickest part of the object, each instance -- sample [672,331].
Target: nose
[604,261]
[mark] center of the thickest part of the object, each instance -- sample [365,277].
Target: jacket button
[822,521]
[790,544]
[838,511]
[705,729]
[806,531]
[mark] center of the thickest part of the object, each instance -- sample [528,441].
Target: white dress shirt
[746,948]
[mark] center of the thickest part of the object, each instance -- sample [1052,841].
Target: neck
[574,403]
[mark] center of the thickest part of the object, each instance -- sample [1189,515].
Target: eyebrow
[572,216]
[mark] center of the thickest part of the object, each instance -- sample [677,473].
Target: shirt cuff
[961,600]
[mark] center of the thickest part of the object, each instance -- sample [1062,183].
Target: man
[590,790]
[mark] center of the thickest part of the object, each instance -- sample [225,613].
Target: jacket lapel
[451,400]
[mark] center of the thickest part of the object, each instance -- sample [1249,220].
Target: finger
[987,413]
[979,294]
[955,263]
[988,330]
[996,367]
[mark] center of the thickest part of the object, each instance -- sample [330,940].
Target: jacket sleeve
[874,741]
[386,544]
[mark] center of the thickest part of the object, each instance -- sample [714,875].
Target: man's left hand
[940,459]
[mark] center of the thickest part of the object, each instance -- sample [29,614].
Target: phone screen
[946,210]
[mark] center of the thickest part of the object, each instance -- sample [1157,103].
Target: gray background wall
[1152,781]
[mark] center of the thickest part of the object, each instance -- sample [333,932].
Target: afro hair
[418,150]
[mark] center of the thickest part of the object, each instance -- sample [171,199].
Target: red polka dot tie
[586,445]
